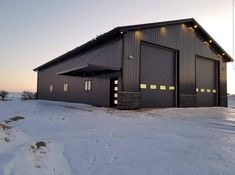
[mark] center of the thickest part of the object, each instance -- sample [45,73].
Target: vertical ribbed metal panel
[223,83]
[161,62]
[109,54]
[206,79]
[187,41]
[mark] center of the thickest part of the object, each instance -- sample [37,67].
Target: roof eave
[117,31]
[222,51]
[99,40]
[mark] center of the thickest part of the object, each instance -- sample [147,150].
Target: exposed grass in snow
[12,119]
[65,138]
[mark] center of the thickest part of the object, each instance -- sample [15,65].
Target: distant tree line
[3,95]
[25,95]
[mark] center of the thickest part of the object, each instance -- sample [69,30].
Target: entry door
[206,82]
[113,91]
[157,76]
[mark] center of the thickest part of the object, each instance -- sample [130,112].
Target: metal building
[165,64]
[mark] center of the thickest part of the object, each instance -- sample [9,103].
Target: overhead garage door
[206,82]
[158,76]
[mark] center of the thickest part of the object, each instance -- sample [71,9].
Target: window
[51,88]
[162,87]
[66,87]
[171,88]
[88,85]
[153,86]
[143,86]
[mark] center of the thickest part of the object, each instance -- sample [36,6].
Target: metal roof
[119,31]
[88,70]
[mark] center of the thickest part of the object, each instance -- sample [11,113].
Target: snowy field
[56,138]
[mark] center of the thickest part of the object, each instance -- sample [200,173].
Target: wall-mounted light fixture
[195,26]
[121,32]
[210,41]
[138,35]
[131,57]
[223,54]
[163,31]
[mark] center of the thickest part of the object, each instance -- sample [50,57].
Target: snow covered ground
[56,138]
[231,101]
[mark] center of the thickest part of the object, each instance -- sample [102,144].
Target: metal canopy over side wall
[120,49]
[109,55]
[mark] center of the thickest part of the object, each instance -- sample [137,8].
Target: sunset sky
[33,32]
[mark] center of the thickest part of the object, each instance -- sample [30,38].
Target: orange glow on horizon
[19,83]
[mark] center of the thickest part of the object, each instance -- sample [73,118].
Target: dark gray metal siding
[158,67]
[109,54]
[180,37]
[223,84]
[206,79]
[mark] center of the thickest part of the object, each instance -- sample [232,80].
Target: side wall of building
[109,54]
[188,42]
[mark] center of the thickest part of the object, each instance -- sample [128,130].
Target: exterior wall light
[163,31]
[195,26]
[131,57]
[138,35]
[121,32]
[210,41]
[223,54]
